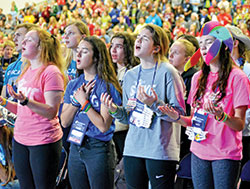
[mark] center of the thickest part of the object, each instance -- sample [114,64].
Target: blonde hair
[84,30]
[51,53]
[9,43]
[160,38]
[189,47]
[28,26]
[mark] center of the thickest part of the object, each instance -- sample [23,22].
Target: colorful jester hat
[221,33]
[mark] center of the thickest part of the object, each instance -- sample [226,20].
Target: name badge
[197,131]
[77,132]
[141,116]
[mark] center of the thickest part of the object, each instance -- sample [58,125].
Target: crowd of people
[139,83]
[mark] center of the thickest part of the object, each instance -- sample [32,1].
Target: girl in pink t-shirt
[219,98]
[37,134]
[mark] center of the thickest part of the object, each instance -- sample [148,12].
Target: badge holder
[77,132]
[197,131]
[141,116]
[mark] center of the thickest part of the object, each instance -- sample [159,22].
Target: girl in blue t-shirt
[91,158]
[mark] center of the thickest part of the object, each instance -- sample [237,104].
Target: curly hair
[226,64]
[128,45]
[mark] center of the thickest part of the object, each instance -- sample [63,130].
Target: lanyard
[121,81]
[139,75]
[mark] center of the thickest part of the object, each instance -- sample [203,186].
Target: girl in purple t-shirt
[219,98]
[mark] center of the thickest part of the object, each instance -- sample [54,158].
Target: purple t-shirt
[222,142]
[31,128]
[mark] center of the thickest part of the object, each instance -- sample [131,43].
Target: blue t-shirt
[12,73]
[80,116]
[154,20]
[71,72]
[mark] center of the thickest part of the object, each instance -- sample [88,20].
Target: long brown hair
[104,66]
[128,45]
[6,135]
[226,64]
[160,38]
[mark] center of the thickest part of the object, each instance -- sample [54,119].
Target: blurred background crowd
[105,17]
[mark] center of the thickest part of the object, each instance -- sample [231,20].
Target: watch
[25,102]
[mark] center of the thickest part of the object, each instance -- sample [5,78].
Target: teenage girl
[122,54]
[152,144]
[219,97]
[37,133]
[91,159]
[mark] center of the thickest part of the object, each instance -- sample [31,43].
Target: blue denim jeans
[215,174]
[11,185]
[92,164]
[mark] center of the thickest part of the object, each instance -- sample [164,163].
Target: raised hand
[19,96]
[169,111]
[145,98]
[211,108]
[107,101]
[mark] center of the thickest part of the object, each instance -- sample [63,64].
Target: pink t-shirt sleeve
[241,91]
[193,88]
[53,79]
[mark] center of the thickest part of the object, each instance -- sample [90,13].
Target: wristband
[4,102]
[225,118]
[112,113]
[74,100]
[85,105]
[178,118]
[25,102]
[221,118]
[87,109]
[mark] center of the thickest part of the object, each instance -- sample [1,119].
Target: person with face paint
[74,32]
[122,54]
[219,98]
[37,140]
[91,158]
[152,145]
